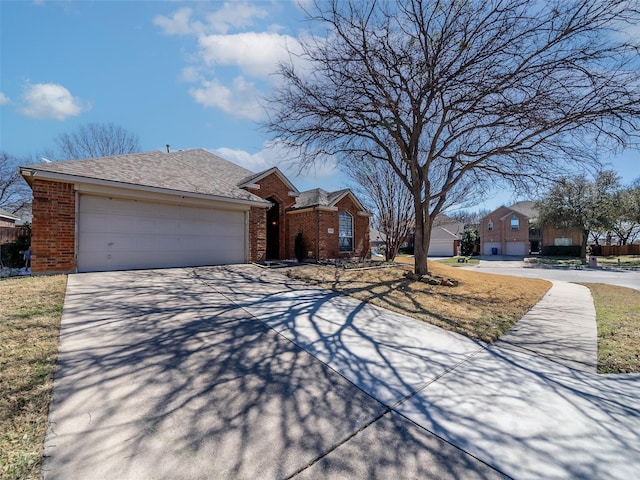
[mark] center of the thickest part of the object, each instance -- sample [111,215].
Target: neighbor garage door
[441,248]
[119,234]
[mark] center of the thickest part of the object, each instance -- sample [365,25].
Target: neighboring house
[512,231]
[184,208]
[7,219]
[446,234]
[445,237]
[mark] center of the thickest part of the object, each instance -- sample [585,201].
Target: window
[345,236]
[515,223]
[490,225]
[562,242]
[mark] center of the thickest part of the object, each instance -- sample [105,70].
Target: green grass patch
[30,309]
[618,318]
[453,261]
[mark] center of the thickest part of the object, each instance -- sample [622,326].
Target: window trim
[343,215]
[490,225]
[515,226]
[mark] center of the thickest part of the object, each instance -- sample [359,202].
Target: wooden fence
[11,234]
[614,250]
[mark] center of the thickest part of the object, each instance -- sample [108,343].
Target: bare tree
[97,140]
[457,94]
[14,191]
[389,199]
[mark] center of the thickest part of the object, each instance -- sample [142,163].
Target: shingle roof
[10,216]
[191,171]
[525,208]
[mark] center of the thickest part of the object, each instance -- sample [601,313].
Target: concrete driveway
[238,372]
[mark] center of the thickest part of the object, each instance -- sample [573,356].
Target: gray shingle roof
[5,214]
[525,208]
[190,171]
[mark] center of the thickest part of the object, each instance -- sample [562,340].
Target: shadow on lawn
[168,374]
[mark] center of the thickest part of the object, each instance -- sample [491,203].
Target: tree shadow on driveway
[162,376]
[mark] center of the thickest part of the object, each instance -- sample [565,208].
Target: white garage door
[519,249]
[120,234]
[441,248]
[489,248]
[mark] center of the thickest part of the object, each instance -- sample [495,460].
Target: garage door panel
[116,234]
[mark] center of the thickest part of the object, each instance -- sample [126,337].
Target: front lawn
[30,309]
[482,306]
[618,315]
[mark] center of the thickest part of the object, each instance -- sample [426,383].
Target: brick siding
[257,234]
[274,189]
[53,227]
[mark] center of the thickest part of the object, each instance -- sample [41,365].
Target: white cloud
[235,15]
[255,53]
[51,100]
[4,99]
[274,153]
[178,23]
[240,99]
[231,15]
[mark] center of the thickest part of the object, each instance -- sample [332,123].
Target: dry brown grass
[618,317]
[482,306]
[30,311]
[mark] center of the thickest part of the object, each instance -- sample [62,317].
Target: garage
[491,248]
[119,233]
[441,248]
[517,249]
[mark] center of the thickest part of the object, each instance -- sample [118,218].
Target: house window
[345,237]
[490,225]
[562,242]
[515,223]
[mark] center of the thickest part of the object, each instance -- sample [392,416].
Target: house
[7,219]
[446,234]
[513,231]
[183,208]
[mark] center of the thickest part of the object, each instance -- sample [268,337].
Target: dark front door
[273,232]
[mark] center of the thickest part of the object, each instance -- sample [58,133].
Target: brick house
[184,208]
[513,231]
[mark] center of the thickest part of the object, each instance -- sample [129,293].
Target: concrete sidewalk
[561,327]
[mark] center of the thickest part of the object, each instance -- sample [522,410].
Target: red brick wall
[272,188]
[53,227]
[502,232]
[257,234]
[550,233]
[304,222]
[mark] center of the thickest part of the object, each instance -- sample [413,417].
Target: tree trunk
[583,247]
[421,238]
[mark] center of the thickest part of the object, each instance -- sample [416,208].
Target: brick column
[53,227]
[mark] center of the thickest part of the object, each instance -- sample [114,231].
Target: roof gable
[251,180]
[321,198]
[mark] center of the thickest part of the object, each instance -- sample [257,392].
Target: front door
[273,232]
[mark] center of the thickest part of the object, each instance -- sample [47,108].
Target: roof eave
[29,173]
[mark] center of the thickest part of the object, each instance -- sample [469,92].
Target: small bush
[406,250]
[561,251]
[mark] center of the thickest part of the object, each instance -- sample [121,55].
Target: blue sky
[188,74]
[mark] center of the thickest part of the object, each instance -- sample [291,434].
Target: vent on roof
[168,148]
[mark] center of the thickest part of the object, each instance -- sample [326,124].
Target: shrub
[561,251]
